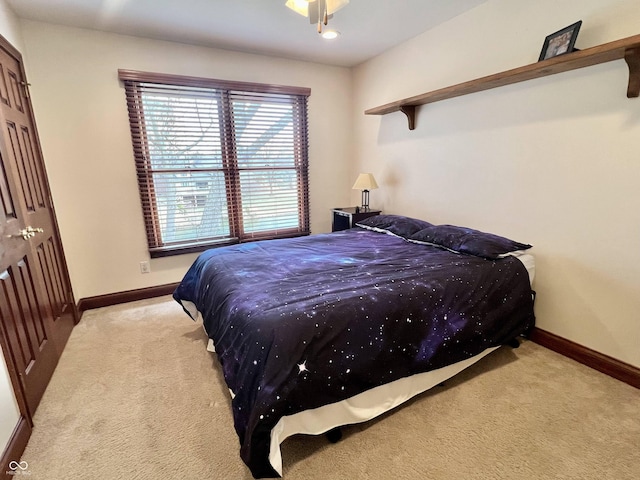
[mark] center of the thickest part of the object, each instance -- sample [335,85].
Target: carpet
[137,396]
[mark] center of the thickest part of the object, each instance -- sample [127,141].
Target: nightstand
[344,218]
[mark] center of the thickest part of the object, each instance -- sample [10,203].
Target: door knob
[28,232]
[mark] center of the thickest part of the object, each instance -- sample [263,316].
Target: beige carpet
[137,396]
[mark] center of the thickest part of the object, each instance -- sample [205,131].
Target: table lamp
[365,182]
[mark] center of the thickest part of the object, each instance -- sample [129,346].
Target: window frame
[132,80]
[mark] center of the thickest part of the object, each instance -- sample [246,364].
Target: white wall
[83,124]
[10,26]
[554,162]
[9,412]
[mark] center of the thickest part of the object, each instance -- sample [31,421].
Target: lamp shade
[302,6]
[365,181]
[299,6]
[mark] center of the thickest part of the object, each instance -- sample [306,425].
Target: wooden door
[37,311]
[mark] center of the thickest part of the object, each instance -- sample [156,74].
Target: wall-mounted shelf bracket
[410,112]
[632,57]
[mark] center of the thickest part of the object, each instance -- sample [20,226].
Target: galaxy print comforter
[300,323]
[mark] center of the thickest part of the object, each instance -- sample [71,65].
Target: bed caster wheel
[334,435]
[514,343]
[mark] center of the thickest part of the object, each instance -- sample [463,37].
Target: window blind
[218,162]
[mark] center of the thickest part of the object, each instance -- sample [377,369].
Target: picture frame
[560,42]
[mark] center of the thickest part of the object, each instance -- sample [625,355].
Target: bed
[317,332]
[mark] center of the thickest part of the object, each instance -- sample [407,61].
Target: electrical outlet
[145,267]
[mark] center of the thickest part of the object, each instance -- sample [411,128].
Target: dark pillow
[467,240]
[394,224]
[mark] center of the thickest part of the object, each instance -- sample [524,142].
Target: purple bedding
[304,322]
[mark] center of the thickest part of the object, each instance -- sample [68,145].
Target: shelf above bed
[627,49]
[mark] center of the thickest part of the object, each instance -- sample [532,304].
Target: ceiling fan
[318,11]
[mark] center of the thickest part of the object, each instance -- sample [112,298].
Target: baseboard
[598,361]
[124,297]
[15,448]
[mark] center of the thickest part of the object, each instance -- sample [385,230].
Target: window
[218,162]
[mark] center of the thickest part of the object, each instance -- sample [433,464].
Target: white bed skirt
[362,407]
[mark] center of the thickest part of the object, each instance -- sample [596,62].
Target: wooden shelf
[627,49]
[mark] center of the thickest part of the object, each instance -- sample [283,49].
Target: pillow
[467,240]
[394,224]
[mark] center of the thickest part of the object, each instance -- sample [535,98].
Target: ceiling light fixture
[330,34]
[318,11]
